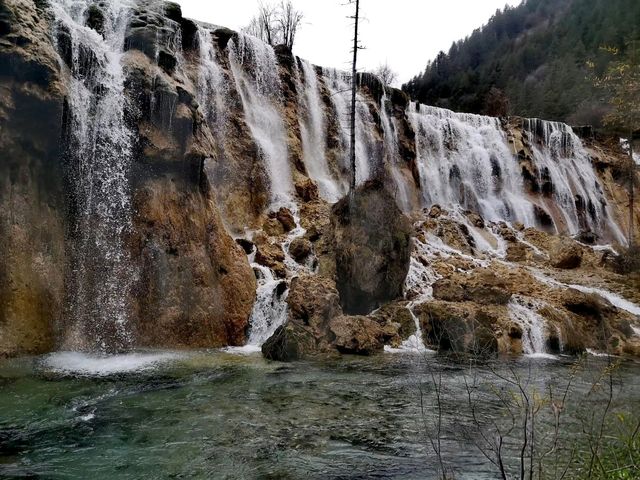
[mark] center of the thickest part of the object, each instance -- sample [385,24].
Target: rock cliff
[168,183]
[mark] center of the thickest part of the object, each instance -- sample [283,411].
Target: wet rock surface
[372,247]
[199,179]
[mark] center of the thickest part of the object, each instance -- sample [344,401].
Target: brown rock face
[459,328]
[271,255]
[357,335]
[565,254]
[300,249]
[313,302]
[372,249]
[196,288]
[32,198]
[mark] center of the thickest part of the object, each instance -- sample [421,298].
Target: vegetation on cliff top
[536,56]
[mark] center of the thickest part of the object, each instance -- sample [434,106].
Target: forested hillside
[531,60]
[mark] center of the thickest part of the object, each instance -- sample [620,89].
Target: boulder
[565,254]
[286,219]
[398,315]
[300,249]
[448,290]
[271,255]
[372,244]
[289,343]
[307,190]
[458,327]
[357,335]
[481,286]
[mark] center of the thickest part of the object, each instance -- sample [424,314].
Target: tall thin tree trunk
[354,86]
[632,175]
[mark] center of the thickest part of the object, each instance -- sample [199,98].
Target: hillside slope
[536,54]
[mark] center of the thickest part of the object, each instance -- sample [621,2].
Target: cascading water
[212,83]
[562,161]
[255,70]
[99,156]
[339,85]
[392,157]
[464,160]
[532,323]
[314,134]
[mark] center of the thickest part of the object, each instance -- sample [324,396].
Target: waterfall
[255,70]
[564,164]
[392,157]
[465,160]
[270,309]
[532,323]
[212,86]
[314,134]
[99,158]
[339,85]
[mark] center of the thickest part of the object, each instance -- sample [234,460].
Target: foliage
[276,24]
[621,82]
[537,54]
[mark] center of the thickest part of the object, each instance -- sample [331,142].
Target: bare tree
[264,25]
[276,24]
[354,87]
[386,75]
[289,20]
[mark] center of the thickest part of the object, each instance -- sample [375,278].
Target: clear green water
[216,415]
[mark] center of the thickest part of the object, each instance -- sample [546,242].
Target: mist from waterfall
[99,154]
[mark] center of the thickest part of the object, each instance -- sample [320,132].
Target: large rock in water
[372,248]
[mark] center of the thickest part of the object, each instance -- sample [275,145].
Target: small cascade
[339,84]
[465,160]
[314,134]
[418,286]
[212,84]
[99,154]
[270,308]
[255,70]
[565,170]
[532,323]
[392,156]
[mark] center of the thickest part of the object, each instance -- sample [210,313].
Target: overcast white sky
[404,33]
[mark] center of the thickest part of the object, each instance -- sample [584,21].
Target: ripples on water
[218,415]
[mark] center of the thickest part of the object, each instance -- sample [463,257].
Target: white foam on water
[595,353]
[95,365]
[244,350]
